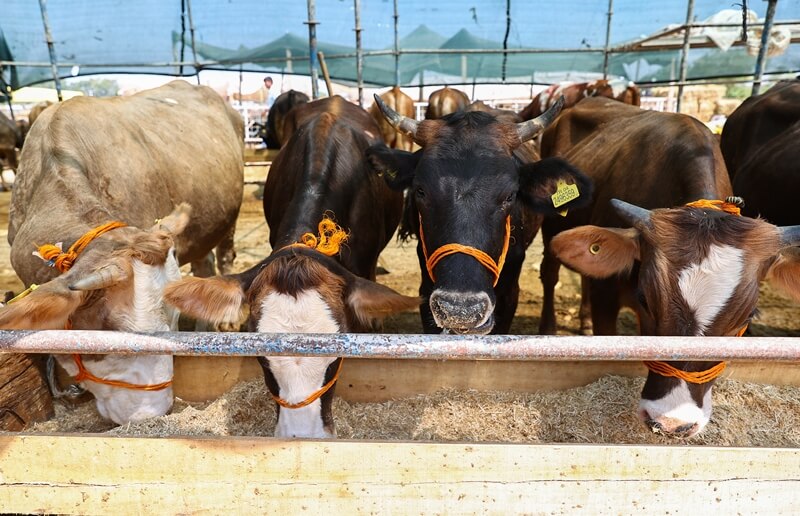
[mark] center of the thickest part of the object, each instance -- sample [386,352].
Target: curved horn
[790,236]
[104,277]
[631,213]
[529,129]
[398,121]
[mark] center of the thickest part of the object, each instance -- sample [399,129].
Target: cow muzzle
[462,312]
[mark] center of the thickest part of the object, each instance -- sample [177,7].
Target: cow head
[699,273]
[116,283]
[296,290]
[467,188]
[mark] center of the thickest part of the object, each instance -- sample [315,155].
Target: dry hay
[745,414]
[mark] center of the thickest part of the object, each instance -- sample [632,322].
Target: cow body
[286,101]
[10,141]
[91,161]
[760,146]
[644,157]
[403,104]
[477,197]
[445,101]
[37,110]
[573,93]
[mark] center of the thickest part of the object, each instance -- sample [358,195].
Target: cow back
[445,101]
[286,101]
[401,103]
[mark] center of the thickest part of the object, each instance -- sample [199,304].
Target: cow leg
[586,306]
[226,252]
[604,296]
[204,268]
[548,274]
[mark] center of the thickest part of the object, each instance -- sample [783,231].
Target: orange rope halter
[314,396]
[84,374]
[727,205]
[446,250]
[62,261]
[331,237]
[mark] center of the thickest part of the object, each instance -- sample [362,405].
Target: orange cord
[330,238]
[63,261]
[484,259]
[314,396]
[84,374]
[715,204]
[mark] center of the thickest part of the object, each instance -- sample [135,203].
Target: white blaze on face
[298,377]
[707,286]
[678,409]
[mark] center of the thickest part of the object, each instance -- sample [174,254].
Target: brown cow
[404,105]
[277,135]
[10,140]
[90,161]
[37,110]
[445,101]
[625,92]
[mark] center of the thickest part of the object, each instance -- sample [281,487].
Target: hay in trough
[602,412]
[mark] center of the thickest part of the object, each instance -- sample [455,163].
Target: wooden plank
[24,396]
[94,474]
[365,380]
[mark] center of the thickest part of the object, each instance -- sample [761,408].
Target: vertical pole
[396,46]
[240,84]
[191,31]
[687,43]
[312,48]
[359,54]
[50,48]
[183,37]
[289,64]
[505,46]
[610,15]
[762,51]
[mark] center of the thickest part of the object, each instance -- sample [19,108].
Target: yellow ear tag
[564,194]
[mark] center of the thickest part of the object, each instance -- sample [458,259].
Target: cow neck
[484,259]
[731,205]
[314,396]
[63,262]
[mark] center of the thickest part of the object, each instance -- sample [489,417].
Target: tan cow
[404,105]
[445,101]
[139,160]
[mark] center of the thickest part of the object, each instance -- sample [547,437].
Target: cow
[653,159]
[36,110]
[404,105]
[760,145]
[286,101]
[112,180]
[320,174]
[625,92]
[11,139]
[478,197]
[445,101]
[503,115]
[698,269]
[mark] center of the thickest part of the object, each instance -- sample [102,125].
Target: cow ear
[49,307]
[175,222]
[784,273]
[396,166]
[373,302]
[219,299]
[539,181]
[597,252]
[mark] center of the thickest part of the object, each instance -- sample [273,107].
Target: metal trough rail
[449,347]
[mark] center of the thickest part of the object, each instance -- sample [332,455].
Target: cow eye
[509,200]
[642,300]
[420,193]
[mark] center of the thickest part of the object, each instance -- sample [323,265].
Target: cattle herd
[653,210]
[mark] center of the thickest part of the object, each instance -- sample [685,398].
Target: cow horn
[529,129]
[104,277]
[398,121]
[631,213]
[790,235]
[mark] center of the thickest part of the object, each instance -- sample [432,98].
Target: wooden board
[24,397]
[371,380]
[108,475]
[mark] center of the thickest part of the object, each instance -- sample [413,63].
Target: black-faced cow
[652,159]
[761,146]
[403,104]
[478,198]
[89,163]
[321,170]
[698,270]
[276,136]
[445,101]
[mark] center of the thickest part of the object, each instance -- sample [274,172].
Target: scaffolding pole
[48,36]
[312,48]
[359,54]
[607,47]
[191,32]
[396,46]
[762,51]
[685,52]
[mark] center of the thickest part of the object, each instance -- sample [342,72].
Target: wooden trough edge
[101,474]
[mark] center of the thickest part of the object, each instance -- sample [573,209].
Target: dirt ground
[778,313]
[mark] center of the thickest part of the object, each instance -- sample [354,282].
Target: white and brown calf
[699,273]
[295,290]
[116,283]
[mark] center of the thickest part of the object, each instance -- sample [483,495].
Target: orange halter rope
[446,250]
[63,262]
[663,368]
[314,395]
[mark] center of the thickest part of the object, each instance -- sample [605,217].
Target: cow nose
[654,426]
[460,310]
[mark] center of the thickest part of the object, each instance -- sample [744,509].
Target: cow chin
[462,312]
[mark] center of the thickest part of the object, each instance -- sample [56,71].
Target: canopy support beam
[685,52]
[51,48]
[762,51]
[312,48]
